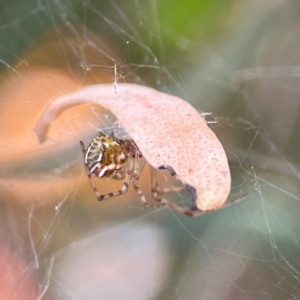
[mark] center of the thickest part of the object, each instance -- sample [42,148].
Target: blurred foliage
[162,25]
[178,23]
[193,19]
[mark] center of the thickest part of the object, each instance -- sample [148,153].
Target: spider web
[237,61]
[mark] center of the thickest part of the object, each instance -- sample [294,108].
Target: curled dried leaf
[169,132]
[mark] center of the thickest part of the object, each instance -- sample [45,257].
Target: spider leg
[138,168]
[197,213]
[109,195]
[190,213]
[118,175]
[176,207]
[155,189]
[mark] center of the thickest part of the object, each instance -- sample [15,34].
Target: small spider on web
[167,133]
[107,156]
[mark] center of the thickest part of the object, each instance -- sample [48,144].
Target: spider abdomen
[105,155]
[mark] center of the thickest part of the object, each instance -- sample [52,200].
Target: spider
[107,156]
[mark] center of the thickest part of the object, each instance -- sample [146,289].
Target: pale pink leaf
[167,130]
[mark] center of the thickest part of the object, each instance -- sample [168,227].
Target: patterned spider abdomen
[104,155]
